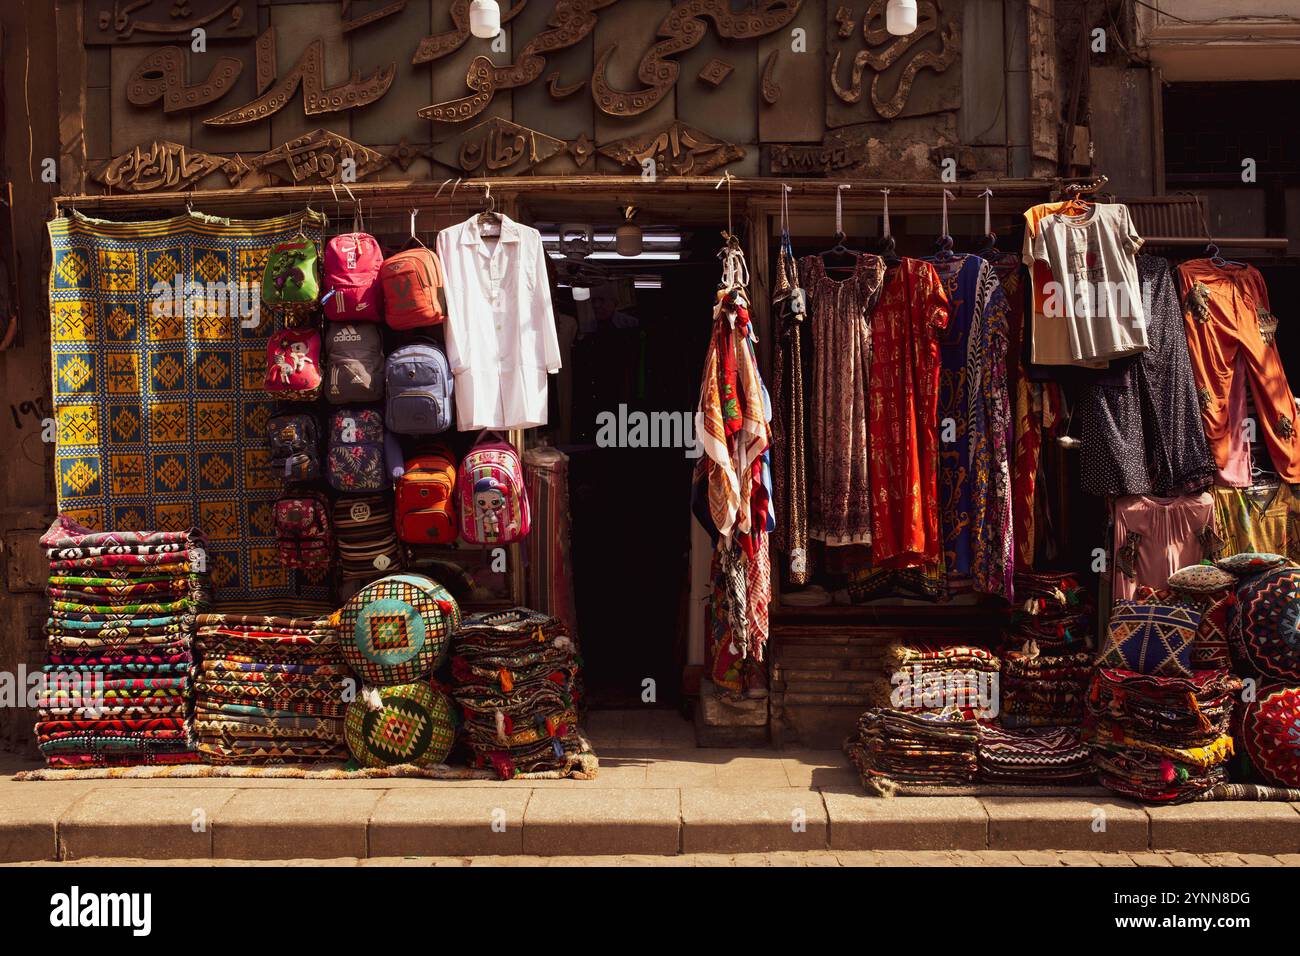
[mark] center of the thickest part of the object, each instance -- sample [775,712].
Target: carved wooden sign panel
[497,148]
[151,21]
[679,150]
[158,166]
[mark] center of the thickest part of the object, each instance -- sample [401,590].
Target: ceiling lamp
[900,17]
[627,237]
[485,18]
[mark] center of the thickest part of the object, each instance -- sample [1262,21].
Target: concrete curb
[54,822]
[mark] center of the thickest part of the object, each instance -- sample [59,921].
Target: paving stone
[158,823]
[1186,859]
[1260,859]
[859,822]
[458,822]
[1150,859]
[29,826]
[1078,858]
[594,822]
[756,821]
[1094,825]
[1038,858]
[288,824]
[1225,827]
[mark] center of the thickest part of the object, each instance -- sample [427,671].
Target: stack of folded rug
[1042,756]
[269,690]
[1044,690]
[515,677]
[931,679]
[895,747]
[116,686]
[1161,739]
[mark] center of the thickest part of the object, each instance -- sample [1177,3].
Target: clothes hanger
[943,247]
[991,253]
[489,220]
[888,248]
[1076,204]
[839,249]
[413,238]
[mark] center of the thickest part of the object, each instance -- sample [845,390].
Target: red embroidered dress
[904,441]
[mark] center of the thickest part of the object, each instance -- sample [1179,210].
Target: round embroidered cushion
[1201,579]
[397,629]
[415,725]
[1265,630]
[1247,563]
[1267,730]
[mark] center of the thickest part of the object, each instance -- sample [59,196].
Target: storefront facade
[704,115]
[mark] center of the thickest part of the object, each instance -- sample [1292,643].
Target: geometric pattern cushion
[1251,562]
[1151,638]
[415,725]
[1268,728]
[1265,631]
[398,629]
[1211,650]
[1201,579]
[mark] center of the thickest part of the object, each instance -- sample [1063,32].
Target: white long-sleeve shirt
[500,329]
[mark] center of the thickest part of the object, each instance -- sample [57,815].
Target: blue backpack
[417,381]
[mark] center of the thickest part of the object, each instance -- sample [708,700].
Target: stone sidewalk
[656,795]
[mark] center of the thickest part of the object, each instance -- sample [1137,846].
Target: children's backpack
[303,534]
[366,541]
[493,498]
[291,281]
[293,365]
[417,381]
[352,289]
[354,363]
[413,289]
[425,501]
[295,446]
[355,459]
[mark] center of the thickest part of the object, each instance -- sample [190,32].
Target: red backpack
[353,292]
[293,365]
[303,533]
[426,503]
[413,289]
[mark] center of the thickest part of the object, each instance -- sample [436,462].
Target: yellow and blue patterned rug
[159,407]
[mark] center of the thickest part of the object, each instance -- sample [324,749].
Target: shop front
[706,376]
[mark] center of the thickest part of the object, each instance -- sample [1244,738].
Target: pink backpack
[493,498]
[353,291]
[293,365]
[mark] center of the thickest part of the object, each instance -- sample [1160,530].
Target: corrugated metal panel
[1179,216]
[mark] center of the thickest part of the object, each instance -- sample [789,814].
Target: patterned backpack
[417,379]
[294,441]
[293,365]
[353,292]
[302,530]
[426,501]
[363,530]
[291,281]
[354,363]
[355,459]
[413,289]
[493,496]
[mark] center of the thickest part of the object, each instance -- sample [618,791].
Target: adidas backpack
[493,498]
[417,381]
[353,292]
[294,441]
[291,280]
[354,363]
[357,459]
[413,289]
[425,500]
[293,365]
[303,535]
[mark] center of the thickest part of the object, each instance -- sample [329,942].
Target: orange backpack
[413,289]
[425,501]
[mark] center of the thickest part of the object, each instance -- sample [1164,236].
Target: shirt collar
[471,236]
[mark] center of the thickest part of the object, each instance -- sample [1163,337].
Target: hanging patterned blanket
[158,402]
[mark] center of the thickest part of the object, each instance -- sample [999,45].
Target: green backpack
[291,282]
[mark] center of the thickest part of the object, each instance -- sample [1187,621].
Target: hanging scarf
[789,423]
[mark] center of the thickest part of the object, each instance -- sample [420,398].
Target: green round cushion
[416,725]
[397,629]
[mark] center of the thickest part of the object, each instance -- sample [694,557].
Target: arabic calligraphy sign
[160,165]
[113,22]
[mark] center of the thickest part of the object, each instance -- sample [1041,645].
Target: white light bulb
[900,17]
[484,19]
